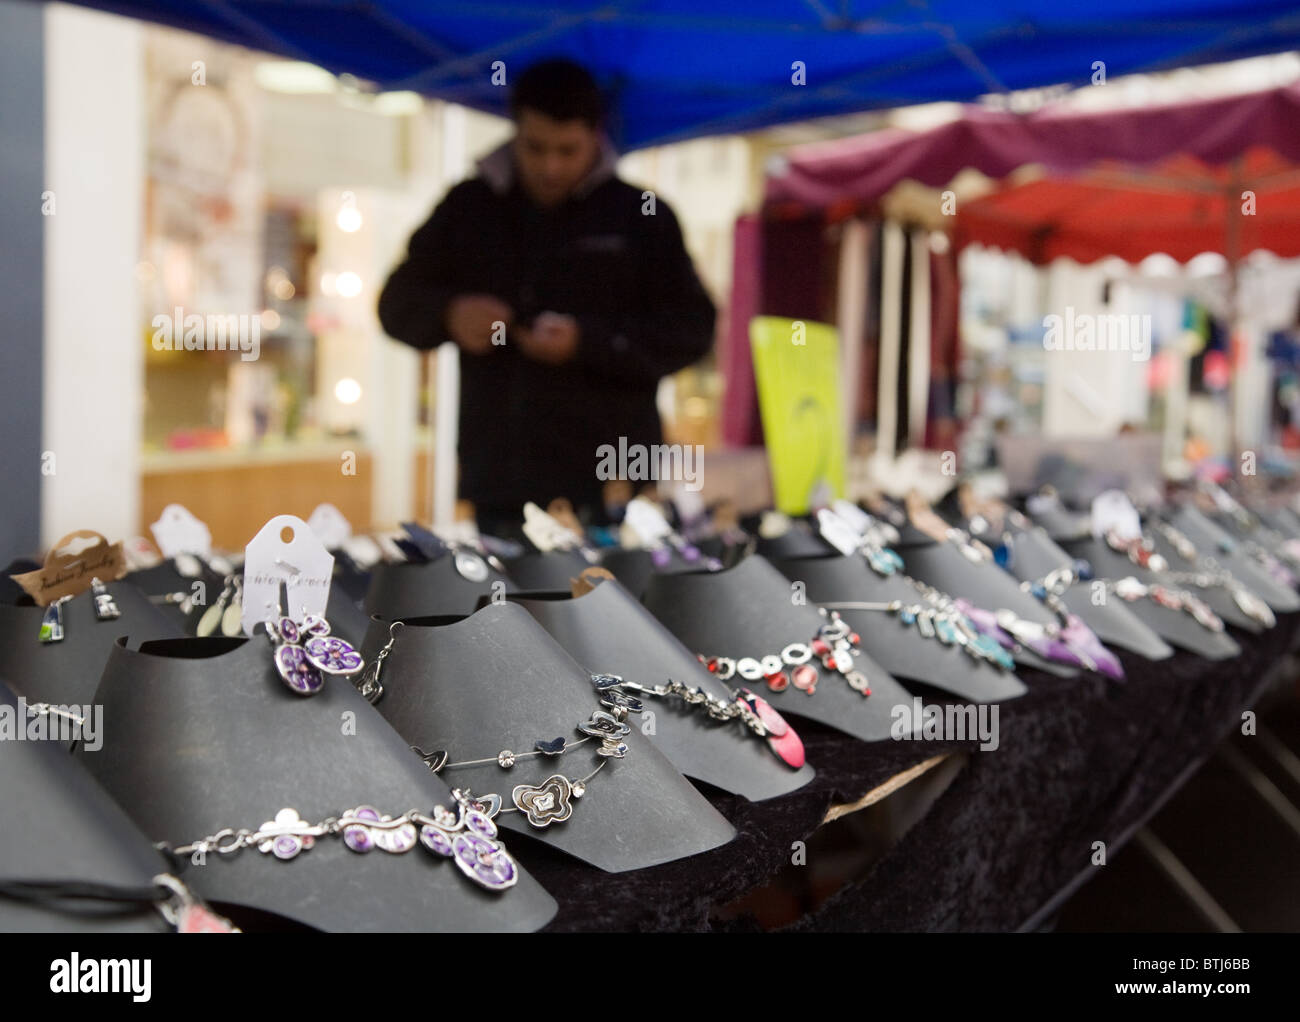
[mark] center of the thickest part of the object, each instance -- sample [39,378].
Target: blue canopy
[678,69]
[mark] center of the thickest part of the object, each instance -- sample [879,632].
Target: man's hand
[471,320]
[553,338]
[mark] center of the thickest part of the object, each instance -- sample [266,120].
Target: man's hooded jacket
[612,257]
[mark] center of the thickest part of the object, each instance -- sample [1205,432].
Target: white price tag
[690,505]
[545,533]
[330,525]
[647,521]
[178,532]
[1112,511]
[285,550]
[363,550]
[838,533]
[852,515]
[1041,503]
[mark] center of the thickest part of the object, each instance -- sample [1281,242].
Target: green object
[797,369]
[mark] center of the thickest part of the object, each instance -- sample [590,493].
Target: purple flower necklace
[466,835]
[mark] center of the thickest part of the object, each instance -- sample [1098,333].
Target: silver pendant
[1253,607]
[545,803]
[105,608]
[470,566]
[52,622]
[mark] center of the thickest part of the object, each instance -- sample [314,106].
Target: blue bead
[1038,590]
[1083,569]
[908,616]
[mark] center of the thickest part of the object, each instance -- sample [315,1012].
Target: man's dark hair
[560,89]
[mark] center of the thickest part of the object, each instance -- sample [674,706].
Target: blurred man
[569,294]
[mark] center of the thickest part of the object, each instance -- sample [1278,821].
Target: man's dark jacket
[530,431]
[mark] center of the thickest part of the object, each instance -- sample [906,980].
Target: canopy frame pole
[891,303]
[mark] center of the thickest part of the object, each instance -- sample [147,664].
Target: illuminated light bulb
[348,391]
[348,284]
[349,219]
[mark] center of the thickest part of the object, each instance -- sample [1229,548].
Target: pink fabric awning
[862,169]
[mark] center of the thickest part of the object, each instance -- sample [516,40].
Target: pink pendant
[789,749]
[778,682]
[805,678]
[781,737]
[772,720]
[195,918]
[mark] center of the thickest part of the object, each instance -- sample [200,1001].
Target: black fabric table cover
[1080,760]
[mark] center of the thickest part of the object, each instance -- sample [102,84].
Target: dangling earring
[52,621]
[328,653]
[296,670]
[368,684]
[105,607]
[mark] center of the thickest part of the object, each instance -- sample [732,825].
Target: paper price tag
[285,550]
[647,522]
[545,533]
[852,515]
[838,533]
[71,565]
[330,525]
[1113,511]
[178,532]
[1040,503]
[690,505]
[363,550]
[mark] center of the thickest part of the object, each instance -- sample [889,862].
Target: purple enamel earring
[306,652]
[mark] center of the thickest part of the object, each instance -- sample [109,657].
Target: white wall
[94,351]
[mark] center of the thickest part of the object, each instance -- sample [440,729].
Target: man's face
[553,156]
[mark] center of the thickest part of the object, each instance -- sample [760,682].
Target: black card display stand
[549,570]
[608,632]
[346,618]
[902,650]
[202,734]
[635,568]
[1062,524]
[495,680]
[1218,598]
[432,589]
[1035,555]
[797,541]
[68,671]
[165,578]
[1210,538]
[59,825]
[986,586]
[1174,626]
[1281,520]
[750,611]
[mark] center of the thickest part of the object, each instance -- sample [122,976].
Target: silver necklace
[1210,574]
[466,835]
[752,710]
[552,800]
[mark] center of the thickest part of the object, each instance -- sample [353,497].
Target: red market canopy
[861,170]
[1181,207]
